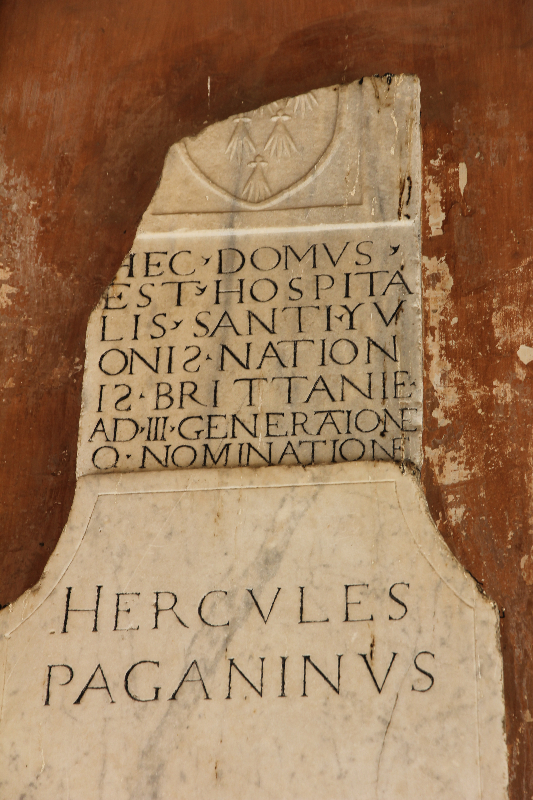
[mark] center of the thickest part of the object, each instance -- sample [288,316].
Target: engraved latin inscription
[287,350]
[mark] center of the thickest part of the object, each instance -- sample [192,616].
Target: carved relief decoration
[267,151]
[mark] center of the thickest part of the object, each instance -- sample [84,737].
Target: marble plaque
[282,633]
[269,312]
[293,633]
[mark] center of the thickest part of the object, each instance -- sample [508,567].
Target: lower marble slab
[289,633]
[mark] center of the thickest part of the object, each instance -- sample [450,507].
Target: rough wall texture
[92,96]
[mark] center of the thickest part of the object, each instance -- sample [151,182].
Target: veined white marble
[282,633]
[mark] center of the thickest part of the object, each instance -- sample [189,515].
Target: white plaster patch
[456,514]
[526,566]
[451,468]
[503,392]
[525,353]
[436,162]
[5,291]
[437,413]
[435,212]
[463,176]
[439,284]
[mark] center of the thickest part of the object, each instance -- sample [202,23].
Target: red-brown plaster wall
[93,94]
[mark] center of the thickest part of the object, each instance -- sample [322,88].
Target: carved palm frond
[304,103]
[256,187]
[280,143]
[241,144]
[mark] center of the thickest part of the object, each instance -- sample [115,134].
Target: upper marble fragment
[269,312]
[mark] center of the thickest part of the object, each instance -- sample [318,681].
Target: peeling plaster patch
[18,195]
[438,283]
[521,372]
[498,114]
[5,291]
[525,262]
[528,481]
[63,371]
[511,324]
[435,214]
[503,392]
[463,176]
[450,467]
[525,353]
[503,330]
[456,514]
[436,162]
[526,565]
[437,413]
[527,560]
